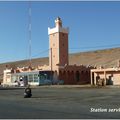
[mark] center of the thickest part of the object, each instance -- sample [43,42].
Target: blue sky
[93,25]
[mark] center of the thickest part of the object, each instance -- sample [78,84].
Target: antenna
[30,63]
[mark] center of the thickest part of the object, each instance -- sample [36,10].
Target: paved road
[60,103]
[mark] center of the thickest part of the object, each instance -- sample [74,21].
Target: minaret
[58,22]
[58,45]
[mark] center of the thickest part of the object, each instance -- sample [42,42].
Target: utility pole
[51,63]
[30,63]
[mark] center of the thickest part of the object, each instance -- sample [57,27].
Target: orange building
[59,60]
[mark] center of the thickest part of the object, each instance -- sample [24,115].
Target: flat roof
[105,69]
[29,72]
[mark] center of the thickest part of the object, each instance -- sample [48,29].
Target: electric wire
[41,52]
[78,48]
[88,47]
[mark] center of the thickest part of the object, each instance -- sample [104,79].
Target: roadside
[60,86]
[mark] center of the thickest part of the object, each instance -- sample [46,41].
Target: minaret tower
[58,45]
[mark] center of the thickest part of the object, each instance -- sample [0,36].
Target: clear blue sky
[91,24]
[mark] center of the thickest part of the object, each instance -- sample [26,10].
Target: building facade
[58,60]
[58,45]
[105,76]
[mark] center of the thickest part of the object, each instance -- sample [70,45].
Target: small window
[36,77]
[30,78]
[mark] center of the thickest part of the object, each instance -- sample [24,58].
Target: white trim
[33,83]
[57,29]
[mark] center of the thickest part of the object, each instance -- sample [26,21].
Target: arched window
[68,72]
[82,72]
[60,72]
[77,76]
[64,73]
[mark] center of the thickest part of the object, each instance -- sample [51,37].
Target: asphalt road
[60,103]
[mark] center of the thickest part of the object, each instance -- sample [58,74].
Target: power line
[41,52]
[37,55]
[88,47]
[78,48]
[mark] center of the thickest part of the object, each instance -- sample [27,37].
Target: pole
[51,63]
[104,77]
[91,78]
[30,63]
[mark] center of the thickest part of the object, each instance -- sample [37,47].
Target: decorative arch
[60,75]
[64,72]
[64,76]
[82,72]
[77,76]
[68,72]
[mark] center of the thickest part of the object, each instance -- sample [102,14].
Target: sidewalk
[60,86]
[10,88]
[63,86]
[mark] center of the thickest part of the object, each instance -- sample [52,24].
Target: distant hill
[106,58]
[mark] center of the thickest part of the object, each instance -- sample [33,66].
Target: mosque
[58,68]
